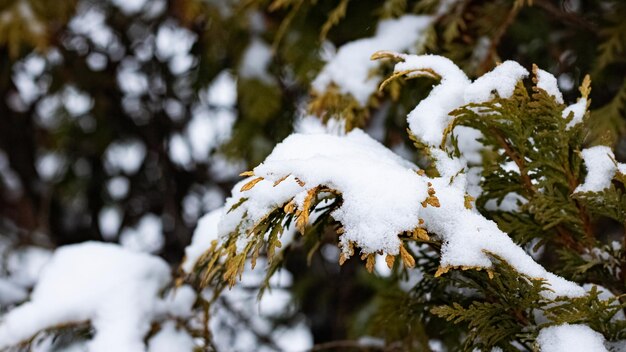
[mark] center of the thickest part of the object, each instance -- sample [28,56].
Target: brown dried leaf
[251,184]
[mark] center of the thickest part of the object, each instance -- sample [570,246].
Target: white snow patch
[547,82]
[502,80]
[601,167]
[430,117]
[570,338]
[577,110]
[382,197]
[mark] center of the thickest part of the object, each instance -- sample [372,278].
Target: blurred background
[127,120]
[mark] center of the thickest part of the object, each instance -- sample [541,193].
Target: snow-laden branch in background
[351,68]
[114,289]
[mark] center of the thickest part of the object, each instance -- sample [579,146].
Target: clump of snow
[429,118]
[601,167]
[351,68]
[116,290]
[381,191]
[502,80]
[547,82]
[570,338]
[203,235]
[578,110]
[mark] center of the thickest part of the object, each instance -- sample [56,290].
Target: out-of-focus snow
[256,61]
[147,236]
[170,338]
[114,289]
[350,69]
[126,156]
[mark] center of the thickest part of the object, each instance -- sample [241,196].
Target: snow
[115,289]
[147,236]
[25,265]
[381,191]
[126,156]
[11,293]
[203,235]
[169,339]
[570,338]
[351,68]
[577,110]
[547,82]
[109,221]
[382,197]
[502,80]
[430,117]
[601,167]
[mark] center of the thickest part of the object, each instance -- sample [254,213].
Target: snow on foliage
[350,69]
[383,195]
[570,338]
[114,289]
[547,82]
[601,167]
[373,213]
